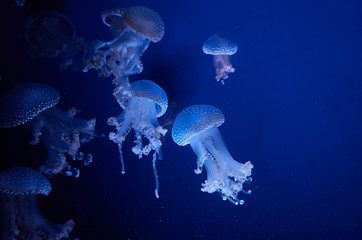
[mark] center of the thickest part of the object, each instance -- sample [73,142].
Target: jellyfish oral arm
[120,56]
[140,115]
[123,124]
[223,67]
[63,134]
[224,174]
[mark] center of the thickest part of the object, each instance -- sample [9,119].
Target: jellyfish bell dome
[112,16]
[146,89]
[220,44]
[198,126]
[23,181]
[145,22]
[24,102]
[193,121]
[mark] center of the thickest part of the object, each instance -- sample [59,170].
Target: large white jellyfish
[134,29]
[148,102]
[60,132]
[21,217]
[221,47]
[198,126]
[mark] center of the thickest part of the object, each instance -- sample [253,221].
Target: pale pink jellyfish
[21,217]
[148,102]
[33,104]
[221,48]
[198,126]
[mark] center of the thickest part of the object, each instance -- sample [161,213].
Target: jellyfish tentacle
[154,159]
[202,155]
[223,67]
[123,125]
[64,135]
[123,171]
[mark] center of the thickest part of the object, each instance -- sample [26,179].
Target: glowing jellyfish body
[221,48]
[60,132]
[134,28]
[198,126]
[21,216]
[148,102]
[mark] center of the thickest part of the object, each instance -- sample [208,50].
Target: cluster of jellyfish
[33,105]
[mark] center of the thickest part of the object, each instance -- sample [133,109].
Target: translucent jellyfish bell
[221,47]
[198,126]
[60,132]
[21,216]
[121,57]
[148,102]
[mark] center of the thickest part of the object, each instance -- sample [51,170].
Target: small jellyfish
[121,56]
[112,16]
[221,48]
[60,132]
[198,126]
[148,102]
[21,217]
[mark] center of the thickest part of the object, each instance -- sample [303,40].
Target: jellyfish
[21,217]
[221,48]
[148,102]
[61,133]
[51,34]
[121,57]
[198,126]
[20,3]
[112,17]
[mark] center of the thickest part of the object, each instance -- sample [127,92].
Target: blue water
[292,108]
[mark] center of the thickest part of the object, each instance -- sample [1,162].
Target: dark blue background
[292,107]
